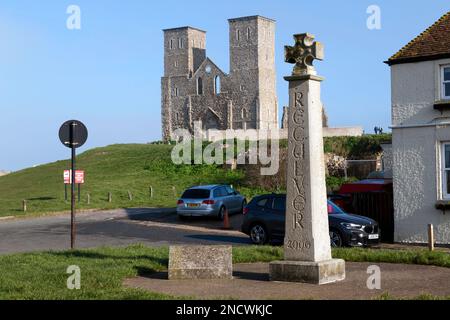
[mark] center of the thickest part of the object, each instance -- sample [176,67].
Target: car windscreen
[334,209]
[196,194]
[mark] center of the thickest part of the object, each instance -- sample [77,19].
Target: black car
[264,221]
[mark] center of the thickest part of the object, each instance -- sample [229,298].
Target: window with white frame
[446,170]
[445,81]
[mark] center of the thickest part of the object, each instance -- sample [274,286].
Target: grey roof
[184,28]
[250,18]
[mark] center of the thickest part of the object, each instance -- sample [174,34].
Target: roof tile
[432,43]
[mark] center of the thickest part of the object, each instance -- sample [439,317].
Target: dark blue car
[264,222]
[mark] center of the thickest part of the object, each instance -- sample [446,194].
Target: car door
[225,198]
[234,199]
[219,196]
[278,216]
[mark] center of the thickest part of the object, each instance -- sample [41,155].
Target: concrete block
[200,262]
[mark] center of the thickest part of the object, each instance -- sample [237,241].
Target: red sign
[79,177]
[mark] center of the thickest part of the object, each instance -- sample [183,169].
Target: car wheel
[221,214]
[336,239]
[259,235]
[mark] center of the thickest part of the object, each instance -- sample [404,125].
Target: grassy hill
[116,169]
[135,167]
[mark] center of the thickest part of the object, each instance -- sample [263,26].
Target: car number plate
[374,236]
[193,205]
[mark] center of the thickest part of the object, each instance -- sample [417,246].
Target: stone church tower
[195,89]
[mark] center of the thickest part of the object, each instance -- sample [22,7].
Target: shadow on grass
[218,238]
[96,255]
[42,199]
[149,273]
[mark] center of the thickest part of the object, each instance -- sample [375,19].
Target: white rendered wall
[416,152]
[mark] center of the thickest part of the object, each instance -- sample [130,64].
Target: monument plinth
[307,246]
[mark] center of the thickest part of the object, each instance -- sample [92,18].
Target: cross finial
[303,53]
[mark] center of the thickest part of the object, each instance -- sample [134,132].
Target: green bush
[356,147]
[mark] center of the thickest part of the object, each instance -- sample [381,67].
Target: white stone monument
[307,246]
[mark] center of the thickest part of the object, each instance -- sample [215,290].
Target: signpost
[73,134]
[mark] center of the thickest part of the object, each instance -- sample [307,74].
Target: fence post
[109,197]
[151,192]
[130,196]
[431,237]
[345,170]
[174,191]
[88,198]
[24,205]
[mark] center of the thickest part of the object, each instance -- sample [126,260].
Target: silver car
[211,201]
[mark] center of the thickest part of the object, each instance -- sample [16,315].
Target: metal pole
[79,192]
[72,206]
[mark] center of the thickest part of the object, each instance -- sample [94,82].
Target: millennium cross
[303,53]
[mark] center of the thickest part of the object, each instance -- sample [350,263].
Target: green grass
[116,169]
[43,275]
[424,297]
[421,257]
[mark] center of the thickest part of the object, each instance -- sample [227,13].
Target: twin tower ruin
[195,89]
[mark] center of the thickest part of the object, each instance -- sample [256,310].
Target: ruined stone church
[195,89]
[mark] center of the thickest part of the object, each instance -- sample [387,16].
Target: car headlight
[351,226]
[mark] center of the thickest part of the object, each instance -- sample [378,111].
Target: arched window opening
[217,85]
[249,33]
[244,114]
[238,35]
[200,86]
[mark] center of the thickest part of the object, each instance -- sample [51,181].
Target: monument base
[308,272]
[200,262]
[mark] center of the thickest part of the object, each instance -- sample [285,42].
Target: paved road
[154,227]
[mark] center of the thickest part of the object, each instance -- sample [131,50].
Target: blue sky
[108,73]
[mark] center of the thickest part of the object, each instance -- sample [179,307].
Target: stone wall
[210,135]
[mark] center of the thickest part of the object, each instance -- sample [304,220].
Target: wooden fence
[378,206]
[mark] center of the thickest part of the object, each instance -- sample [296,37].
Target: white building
[420,74]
